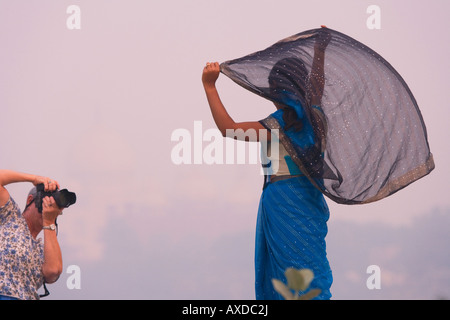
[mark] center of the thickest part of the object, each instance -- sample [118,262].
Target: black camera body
[63,198]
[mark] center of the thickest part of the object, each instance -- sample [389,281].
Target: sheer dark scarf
[370,139]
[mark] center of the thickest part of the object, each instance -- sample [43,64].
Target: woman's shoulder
[276,116]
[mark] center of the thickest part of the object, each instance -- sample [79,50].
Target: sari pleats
[290,232]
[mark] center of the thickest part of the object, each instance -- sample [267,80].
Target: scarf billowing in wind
[370,138]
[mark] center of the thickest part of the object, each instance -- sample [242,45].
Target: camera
[63,198]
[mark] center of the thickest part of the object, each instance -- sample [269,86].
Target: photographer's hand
[50,185]
[50,211]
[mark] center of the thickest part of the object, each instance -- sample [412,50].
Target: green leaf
[299,280]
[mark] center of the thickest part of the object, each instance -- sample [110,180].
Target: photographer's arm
[52,267]
[8,177]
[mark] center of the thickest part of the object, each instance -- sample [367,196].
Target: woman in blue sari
[292,216]
[359,139]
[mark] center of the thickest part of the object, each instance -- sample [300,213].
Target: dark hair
[289,75]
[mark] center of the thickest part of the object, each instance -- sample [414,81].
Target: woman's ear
[30,200]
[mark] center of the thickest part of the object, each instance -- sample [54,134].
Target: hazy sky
[95,108]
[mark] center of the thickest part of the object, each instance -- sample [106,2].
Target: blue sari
[291,229]
[290,232]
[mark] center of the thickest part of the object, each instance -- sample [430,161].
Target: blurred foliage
[297,280]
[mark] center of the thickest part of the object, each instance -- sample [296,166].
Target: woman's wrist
[34,180]
[209,86]
[47,223]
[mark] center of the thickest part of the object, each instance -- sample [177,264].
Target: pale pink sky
[95,109]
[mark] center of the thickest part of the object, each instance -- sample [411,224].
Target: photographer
[25,262]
